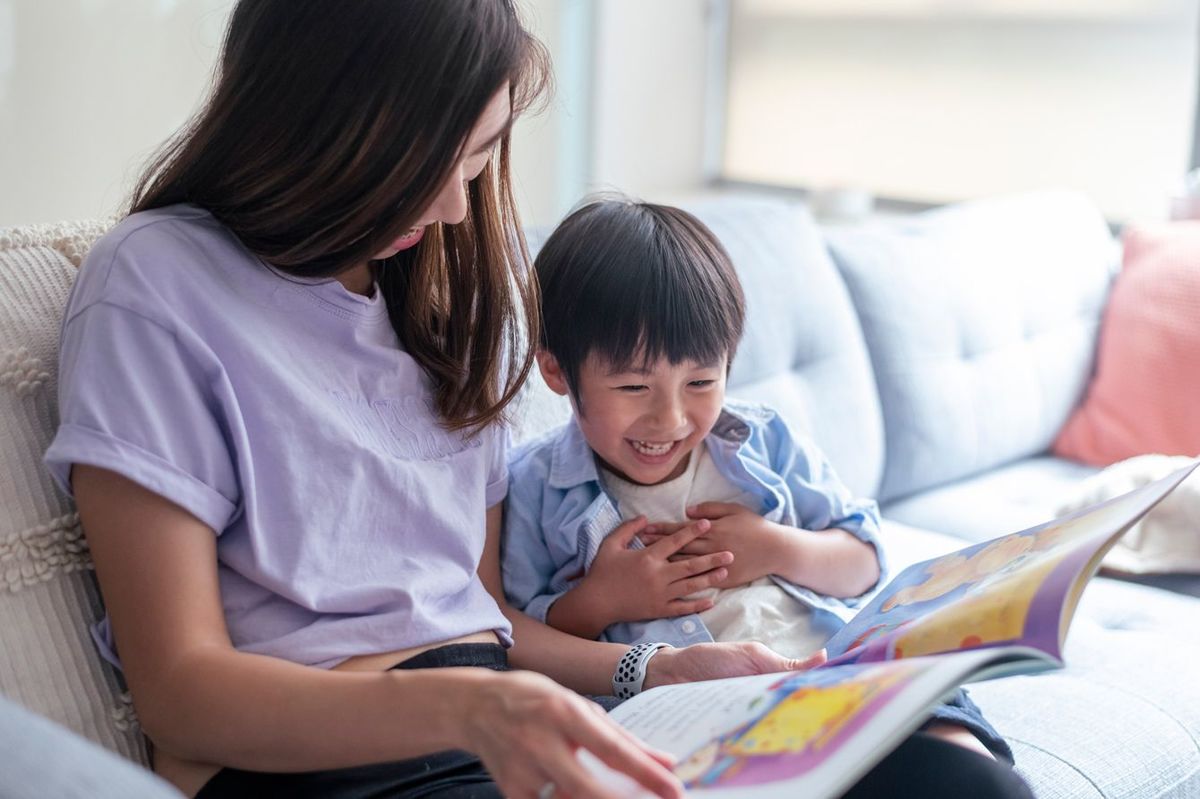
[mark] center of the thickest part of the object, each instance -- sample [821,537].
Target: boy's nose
[668,416]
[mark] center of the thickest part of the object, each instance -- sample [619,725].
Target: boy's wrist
[787,554]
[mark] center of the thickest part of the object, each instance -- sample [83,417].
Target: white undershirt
[758,611]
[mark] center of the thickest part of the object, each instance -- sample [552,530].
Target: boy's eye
[702,383]
[630,389]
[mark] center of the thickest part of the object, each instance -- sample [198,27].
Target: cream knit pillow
[1167,539]
[48,595]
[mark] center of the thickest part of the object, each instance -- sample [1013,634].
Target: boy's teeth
[646,448]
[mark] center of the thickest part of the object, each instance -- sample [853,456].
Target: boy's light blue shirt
[557,513]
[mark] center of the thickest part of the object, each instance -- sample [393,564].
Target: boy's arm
[833,562]
[838,553]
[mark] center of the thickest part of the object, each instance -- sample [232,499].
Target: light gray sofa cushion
[1000,501]
[803,350]
[981,321]
[39,759]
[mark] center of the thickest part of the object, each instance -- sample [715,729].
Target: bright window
[942,100]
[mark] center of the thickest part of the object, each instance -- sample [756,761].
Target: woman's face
[450,204]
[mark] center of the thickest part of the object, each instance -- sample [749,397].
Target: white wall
[628,110]
[90,88]
[650,69]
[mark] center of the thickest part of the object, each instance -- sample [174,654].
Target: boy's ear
[552,373]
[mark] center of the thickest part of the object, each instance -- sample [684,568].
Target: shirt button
[688,626]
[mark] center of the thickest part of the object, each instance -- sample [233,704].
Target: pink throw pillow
[1145,395]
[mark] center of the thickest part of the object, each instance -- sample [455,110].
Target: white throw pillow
[1167,539]
[48,595]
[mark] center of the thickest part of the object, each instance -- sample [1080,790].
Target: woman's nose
[450,205]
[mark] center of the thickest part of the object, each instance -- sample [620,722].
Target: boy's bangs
[631,284]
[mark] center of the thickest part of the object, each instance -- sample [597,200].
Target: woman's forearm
[265,714]
[584,665]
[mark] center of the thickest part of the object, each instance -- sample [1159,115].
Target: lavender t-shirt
[284,415]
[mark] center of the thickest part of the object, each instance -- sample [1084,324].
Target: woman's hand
[527,729]
[715,661]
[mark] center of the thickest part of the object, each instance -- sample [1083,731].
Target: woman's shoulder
[154,261]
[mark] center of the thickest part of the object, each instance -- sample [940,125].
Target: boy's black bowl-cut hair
[632,282]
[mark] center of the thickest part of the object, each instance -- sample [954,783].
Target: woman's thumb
[810,662]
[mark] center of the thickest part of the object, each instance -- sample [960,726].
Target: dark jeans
[921,766]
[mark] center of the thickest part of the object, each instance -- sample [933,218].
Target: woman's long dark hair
[331,127]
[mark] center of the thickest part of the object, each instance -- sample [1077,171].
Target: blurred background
[858,105]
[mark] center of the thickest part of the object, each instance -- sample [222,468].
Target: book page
[806,734]
[1020,588]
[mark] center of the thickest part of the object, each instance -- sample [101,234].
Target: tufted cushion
[981,321]
[48,596]
[803,350]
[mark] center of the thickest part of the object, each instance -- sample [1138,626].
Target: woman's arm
[200,699]
[587,666]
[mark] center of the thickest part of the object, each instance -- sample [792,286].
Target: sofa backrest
[981,320]
[803,350]
[48,596]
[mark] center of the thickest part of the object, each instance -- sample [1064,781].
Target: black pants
[921,766]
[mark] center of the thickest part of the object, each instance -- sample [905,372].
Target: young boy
[662,513]
[642,313]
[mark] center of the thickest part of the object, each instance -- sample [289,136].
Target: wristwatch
[631,669]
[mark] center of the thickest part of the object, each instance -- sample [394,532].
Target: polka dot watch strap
[631,669]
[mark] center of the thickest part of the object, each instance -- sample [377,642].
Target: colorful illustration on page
[982,596]
[808,716]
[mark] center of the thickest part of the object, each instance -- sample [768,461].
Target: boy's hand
[753,540]
[651,583]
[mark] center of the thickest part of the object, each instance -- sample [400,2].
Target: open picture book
[992,609]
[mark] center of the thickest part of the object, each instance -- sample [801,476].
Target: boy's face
[643,425]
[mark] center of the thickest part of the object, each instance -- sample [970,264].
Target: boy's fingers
[681,538]
[700,564]
[627,531]
[665,528]
[691,585]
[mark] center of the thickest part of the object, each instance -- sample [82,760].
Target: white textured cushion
[1168,538]
[48,595]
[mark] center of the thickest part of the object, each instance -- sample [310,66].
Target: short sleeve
[499,440]
[142,401]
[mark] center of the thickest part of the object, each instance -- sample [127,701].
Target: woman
[281,385]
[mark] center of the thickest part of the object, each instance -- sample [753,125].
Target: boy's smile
[644,423]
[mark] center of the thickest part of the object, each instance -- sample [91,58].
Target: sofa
[933,356]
